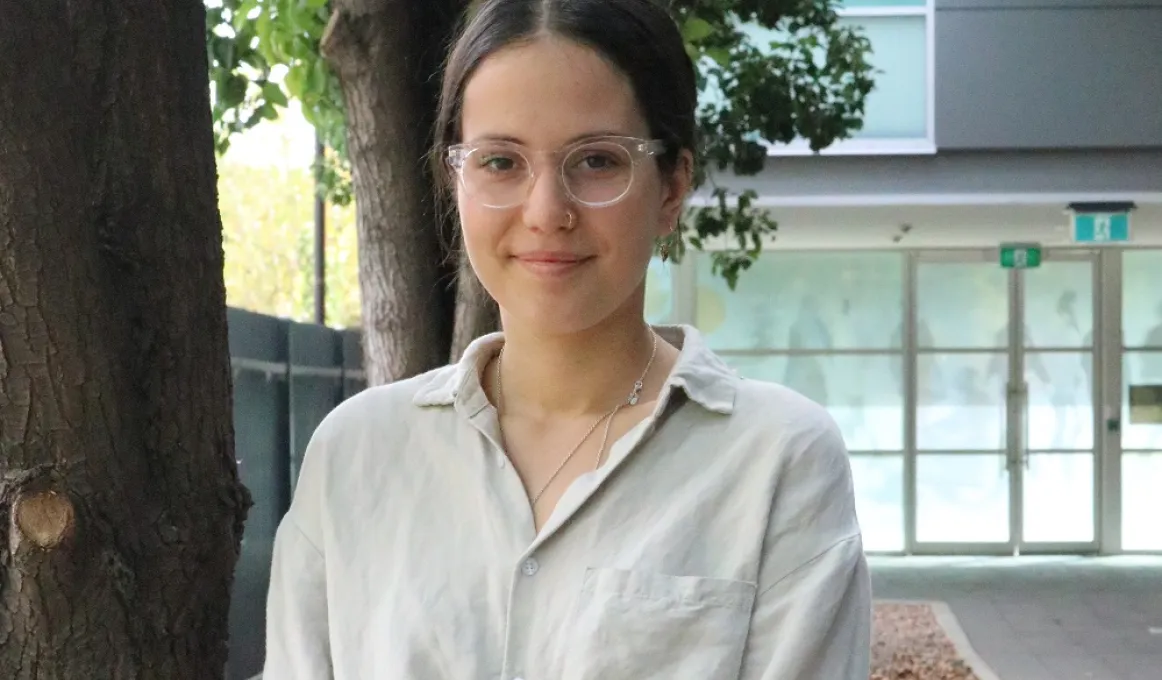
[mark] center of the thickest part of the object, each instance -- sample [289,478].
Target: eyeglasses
[595,172]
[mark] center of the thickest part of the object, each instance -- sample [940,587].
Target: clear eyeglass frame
[637,147]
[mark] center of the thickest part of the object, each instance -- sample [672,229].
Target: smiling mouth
[552,264]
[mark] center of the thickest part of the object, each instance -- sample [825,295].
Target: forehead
[547,92]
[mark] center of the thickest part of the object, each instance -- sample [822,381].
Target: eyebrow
[581,137]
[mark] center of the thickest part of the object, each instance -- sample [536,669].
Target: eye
[597,160]
[497,163]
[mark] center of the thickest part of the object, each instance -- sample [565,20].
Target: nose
[548,206]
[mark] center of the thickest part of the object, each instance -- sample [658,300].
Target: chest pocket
[638,625]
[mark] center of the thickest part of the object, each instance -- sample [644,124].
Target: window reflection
[1059,305]
[854,388]
[1142,299]
[961,306]
[961,403]
[816,301]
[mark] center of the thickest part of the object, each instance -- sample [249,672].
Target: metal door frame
[1019,405]
[1016,411]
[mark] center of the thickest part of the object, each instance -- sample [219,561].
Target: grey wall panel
[256,336]
[274,417]
[312,396]
[1038,74]
[353,361]
[261,438]
[1080,172]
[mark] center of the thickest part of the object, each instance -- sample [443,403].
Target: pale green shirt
[718,542]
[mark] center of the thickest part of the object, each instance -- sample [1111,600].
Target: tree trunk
[388,55]
[476,311]
[119,494]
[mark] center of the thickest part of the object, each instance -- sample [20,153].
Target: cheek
[476,223]
[629,232]
[482,230]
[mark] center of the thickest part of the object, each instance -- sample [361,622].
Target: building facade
[995,366]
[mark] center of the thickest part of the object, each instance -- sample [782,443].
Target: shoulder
[812,495]
[382,410]
[791,422]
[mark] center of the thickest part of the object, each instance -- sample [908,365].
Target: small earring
[665,252]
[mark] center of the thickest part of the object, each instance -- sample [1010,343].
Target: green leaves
[771,71]
[272,93]
[696,29]
[263,53]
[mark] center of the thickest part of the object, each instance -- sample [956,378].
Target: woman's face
[555,265]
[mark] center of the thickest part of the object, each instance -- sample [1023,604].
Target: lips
[551,263]
[546,257]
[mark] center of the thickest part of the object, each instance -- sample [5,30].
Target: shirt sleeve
[297,641]
[297,621]
[812,616]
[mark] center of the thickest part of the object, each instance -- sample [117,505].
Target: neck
[586,373]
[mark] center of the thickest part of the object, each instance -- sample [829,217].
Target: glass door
[1054,390]
[961,477]
[1003,391]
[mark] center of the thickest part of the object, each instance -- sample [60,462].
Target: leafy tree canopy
[770,71]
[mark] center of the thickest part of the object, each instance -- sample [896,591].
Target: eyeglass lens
[595,174]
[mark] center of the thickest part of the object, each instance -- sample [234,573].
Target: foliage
[770,71]
[261,53]
[808,79]
[267,212]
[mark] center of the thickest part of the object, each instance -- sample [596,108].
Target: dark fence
[287,377]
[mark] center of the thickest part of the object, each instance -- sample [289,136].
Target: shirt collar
[699,372]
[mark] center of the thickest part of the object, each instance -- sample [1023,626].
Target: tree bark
[388,55]
[120,502]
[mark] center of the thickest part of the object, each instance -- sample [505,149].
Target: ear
[675,187]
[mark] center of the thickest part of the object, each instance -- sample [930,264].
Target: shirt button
[530,568]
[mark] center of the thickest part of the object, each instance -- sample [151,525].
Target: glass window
[962,306]
[863,393]
[879,500]
[961,401]
[1141,502]
[897,107]
[804,301]
[659,292]
[1058,498]
[1140,368]
[1060,400]
[962,498]
[1059,305]
[1142,298]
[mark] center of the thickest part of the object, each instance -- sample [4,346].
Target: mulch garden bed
[908,643]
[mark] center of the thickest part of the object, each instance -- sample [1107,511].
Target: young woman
[583,497]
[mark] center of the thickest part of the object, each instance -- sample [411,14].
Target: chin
[561,318]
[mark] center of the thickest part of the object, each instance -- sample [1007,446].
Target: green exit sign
[1020,256]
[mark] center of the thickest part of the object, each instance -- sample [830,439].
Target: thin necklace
[634,396]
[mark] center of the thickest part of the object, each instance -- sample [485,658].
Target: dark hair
[637,36]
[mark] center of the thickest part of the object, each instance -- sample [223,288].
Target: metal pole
[320,238]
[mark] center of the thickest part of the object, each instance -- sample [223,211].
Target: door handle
[1017,401]
[1023,413]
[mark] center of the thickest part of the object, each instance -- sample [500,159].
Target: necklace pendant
[633,396]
